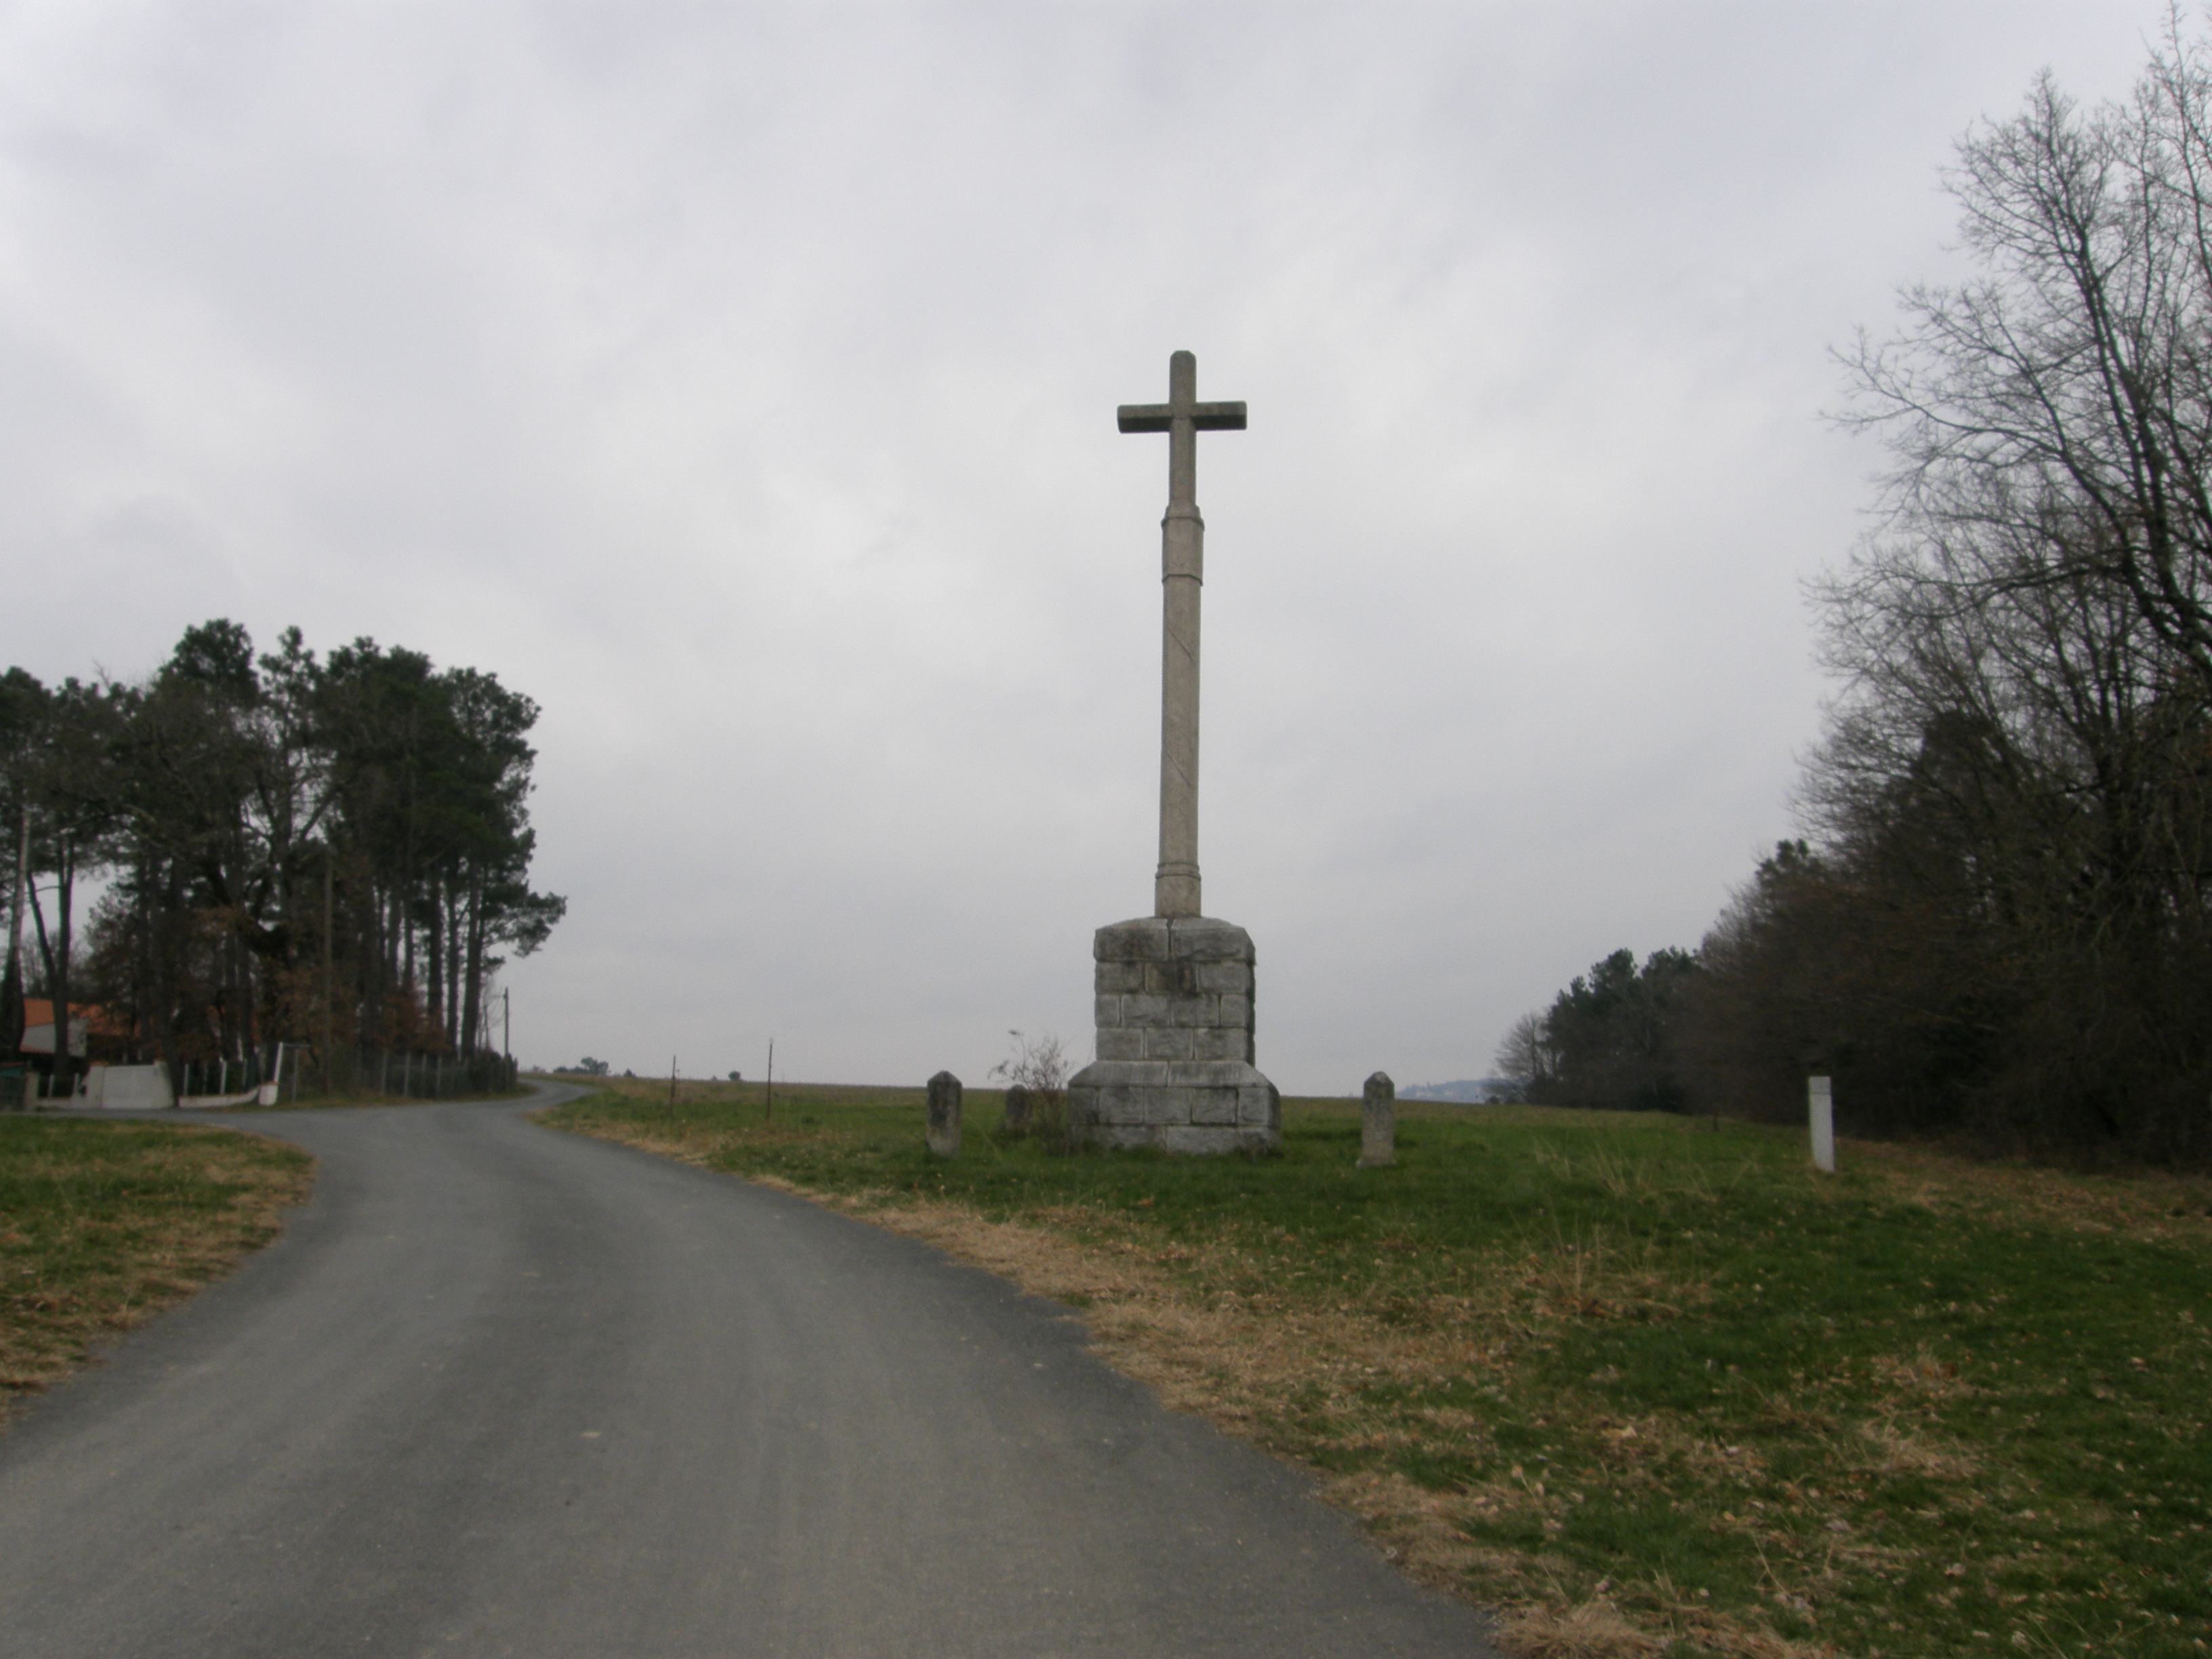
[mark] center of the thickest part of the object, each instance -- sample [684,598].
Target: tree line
[1997,921]
[331,851]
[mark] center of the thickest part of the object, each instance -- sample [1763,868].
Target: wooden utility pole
[672,1083]
[330,995]
[768,1115]
[64,1054]
[14,1038]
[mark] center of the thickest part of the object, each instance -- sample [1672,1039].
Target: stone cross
[1182,569]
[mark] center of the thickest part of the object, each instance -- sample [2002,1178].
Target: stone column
[943,1132]
[1018,1109]
[1183,574]
[1378,1123]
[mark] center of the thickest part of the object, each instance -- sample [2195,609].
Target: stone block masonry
[1175,1042]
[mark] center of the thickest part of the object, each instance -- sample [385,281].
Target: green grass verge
[105,1223]
[1581,1361]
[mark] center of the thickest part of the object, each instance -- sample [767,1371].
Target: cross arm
[1160,417]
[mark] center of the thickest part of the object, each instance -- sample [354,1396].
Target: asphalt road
[501,1390]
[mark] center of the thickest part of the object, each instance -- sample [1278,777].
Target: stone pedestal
[1175,1042]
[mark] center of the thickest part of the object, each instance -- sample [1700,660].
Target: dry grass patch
[1591,1630]
[1894,1452]
[2150,1206]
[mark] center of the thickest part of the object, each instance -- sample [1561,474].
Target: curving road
[501,1390]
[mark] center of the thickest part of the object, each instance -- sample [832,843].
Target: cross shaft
[1182,570]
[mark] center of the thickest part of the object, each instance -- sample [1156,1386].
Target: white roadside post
[1822,1101]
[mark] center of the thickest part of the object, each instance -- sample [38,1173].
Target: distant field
[1649,1388]
[105,1223]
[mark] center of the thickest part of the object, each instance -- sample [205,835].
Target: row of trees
[2000,917]
[1610,1039]
[334,852]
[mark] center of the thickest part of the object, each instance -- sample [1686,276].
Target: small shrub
[1041,1067]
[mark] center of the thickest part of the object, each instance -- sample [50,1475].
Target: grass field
[104,1224]
[1644,1387]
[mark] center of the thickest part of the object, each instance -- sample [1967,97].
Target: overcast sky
[739,382]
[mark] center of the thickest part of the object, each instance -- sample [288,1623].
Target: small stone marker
[944,1132]
[1378,1123]
[1821,1102]
[1018,1109]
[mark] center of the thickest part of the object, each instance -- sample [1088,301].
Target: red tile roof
[40,1010]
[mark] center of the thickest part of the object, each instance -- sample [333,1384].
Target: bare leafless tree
[2008,907]
[1525,1056]
[2052,415]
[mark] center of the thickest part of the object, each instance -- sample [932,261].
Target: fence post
[1820,1104]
